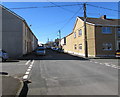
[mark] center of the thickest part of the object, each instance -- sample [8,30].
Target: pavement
[10,86]
[11,82]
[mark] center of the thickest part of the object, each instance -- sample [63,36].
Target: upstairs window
[79,32]
[107,46]
[106,30]
[74,34]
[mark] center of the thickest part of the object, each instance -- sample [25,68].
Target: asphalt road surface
[63,74]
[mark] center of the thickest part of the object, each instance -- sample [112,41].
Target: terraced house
[17,37]
[103,37]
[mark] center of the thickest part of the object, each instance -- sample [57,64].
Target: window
[64,40]
[80,32]
[25,46]
[118,32]
[106,30]
[80,46]
[107,46]
[74,34]
[75,46]
[26,31]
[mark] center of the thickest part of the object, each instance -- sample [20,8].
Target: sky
[46,22]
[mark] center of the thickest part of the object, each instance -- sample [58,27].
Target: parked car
[53,48]
[3,55]
[60,50]
[48,47]
[118,53]
[40,51]
[56,49]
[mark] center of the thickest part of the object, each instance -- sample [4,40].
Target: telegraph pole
[85,31]
[59,34]
[48,40]
[59,39]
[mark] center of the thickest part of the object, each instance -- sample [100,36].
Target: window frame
[106,48]
[81,46]
[74,34]
[107,30]
[80,34]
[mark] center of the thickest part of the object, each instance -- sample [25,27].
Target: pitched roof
[5,8]
[11,12]
[100,21]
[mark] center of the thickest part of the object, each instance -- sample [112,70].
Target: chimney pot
[103,17]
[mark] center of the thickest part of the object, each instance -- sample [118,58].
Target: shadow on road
[3,73]
[51,55]
[24,90]
[8,61]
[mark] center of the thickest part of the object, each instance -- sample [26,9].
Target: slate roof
[102,21]
[5,8]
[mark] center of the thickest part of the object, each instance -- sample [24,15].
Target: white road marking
[27,62]
[107,64]
[55,77]
[114,66]
[28,69]
[27,73]
[25,76]
[96,62]
[32,62]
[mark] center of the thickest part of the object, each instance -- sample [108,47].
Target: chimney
[103,17]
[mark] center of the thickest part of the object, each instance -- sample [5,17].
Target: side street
[81,58]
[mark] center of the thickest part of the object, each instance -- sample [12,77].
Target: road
[63,74]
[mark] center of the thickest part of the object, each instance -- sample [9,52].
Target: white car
[3,55]
[40,51]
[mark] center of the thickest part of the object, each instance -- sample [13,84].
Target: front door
[119,45]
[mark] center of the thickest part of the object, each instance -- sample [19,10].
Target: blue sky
[47,21]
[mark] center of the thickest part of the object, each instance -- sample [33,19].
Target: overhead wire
[55,5]
[59,6]
[103,7]
[70,19]
[67,21]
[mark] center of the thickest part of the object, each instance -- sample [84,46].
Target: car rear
[40,51]
[3,55]
[118,54]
